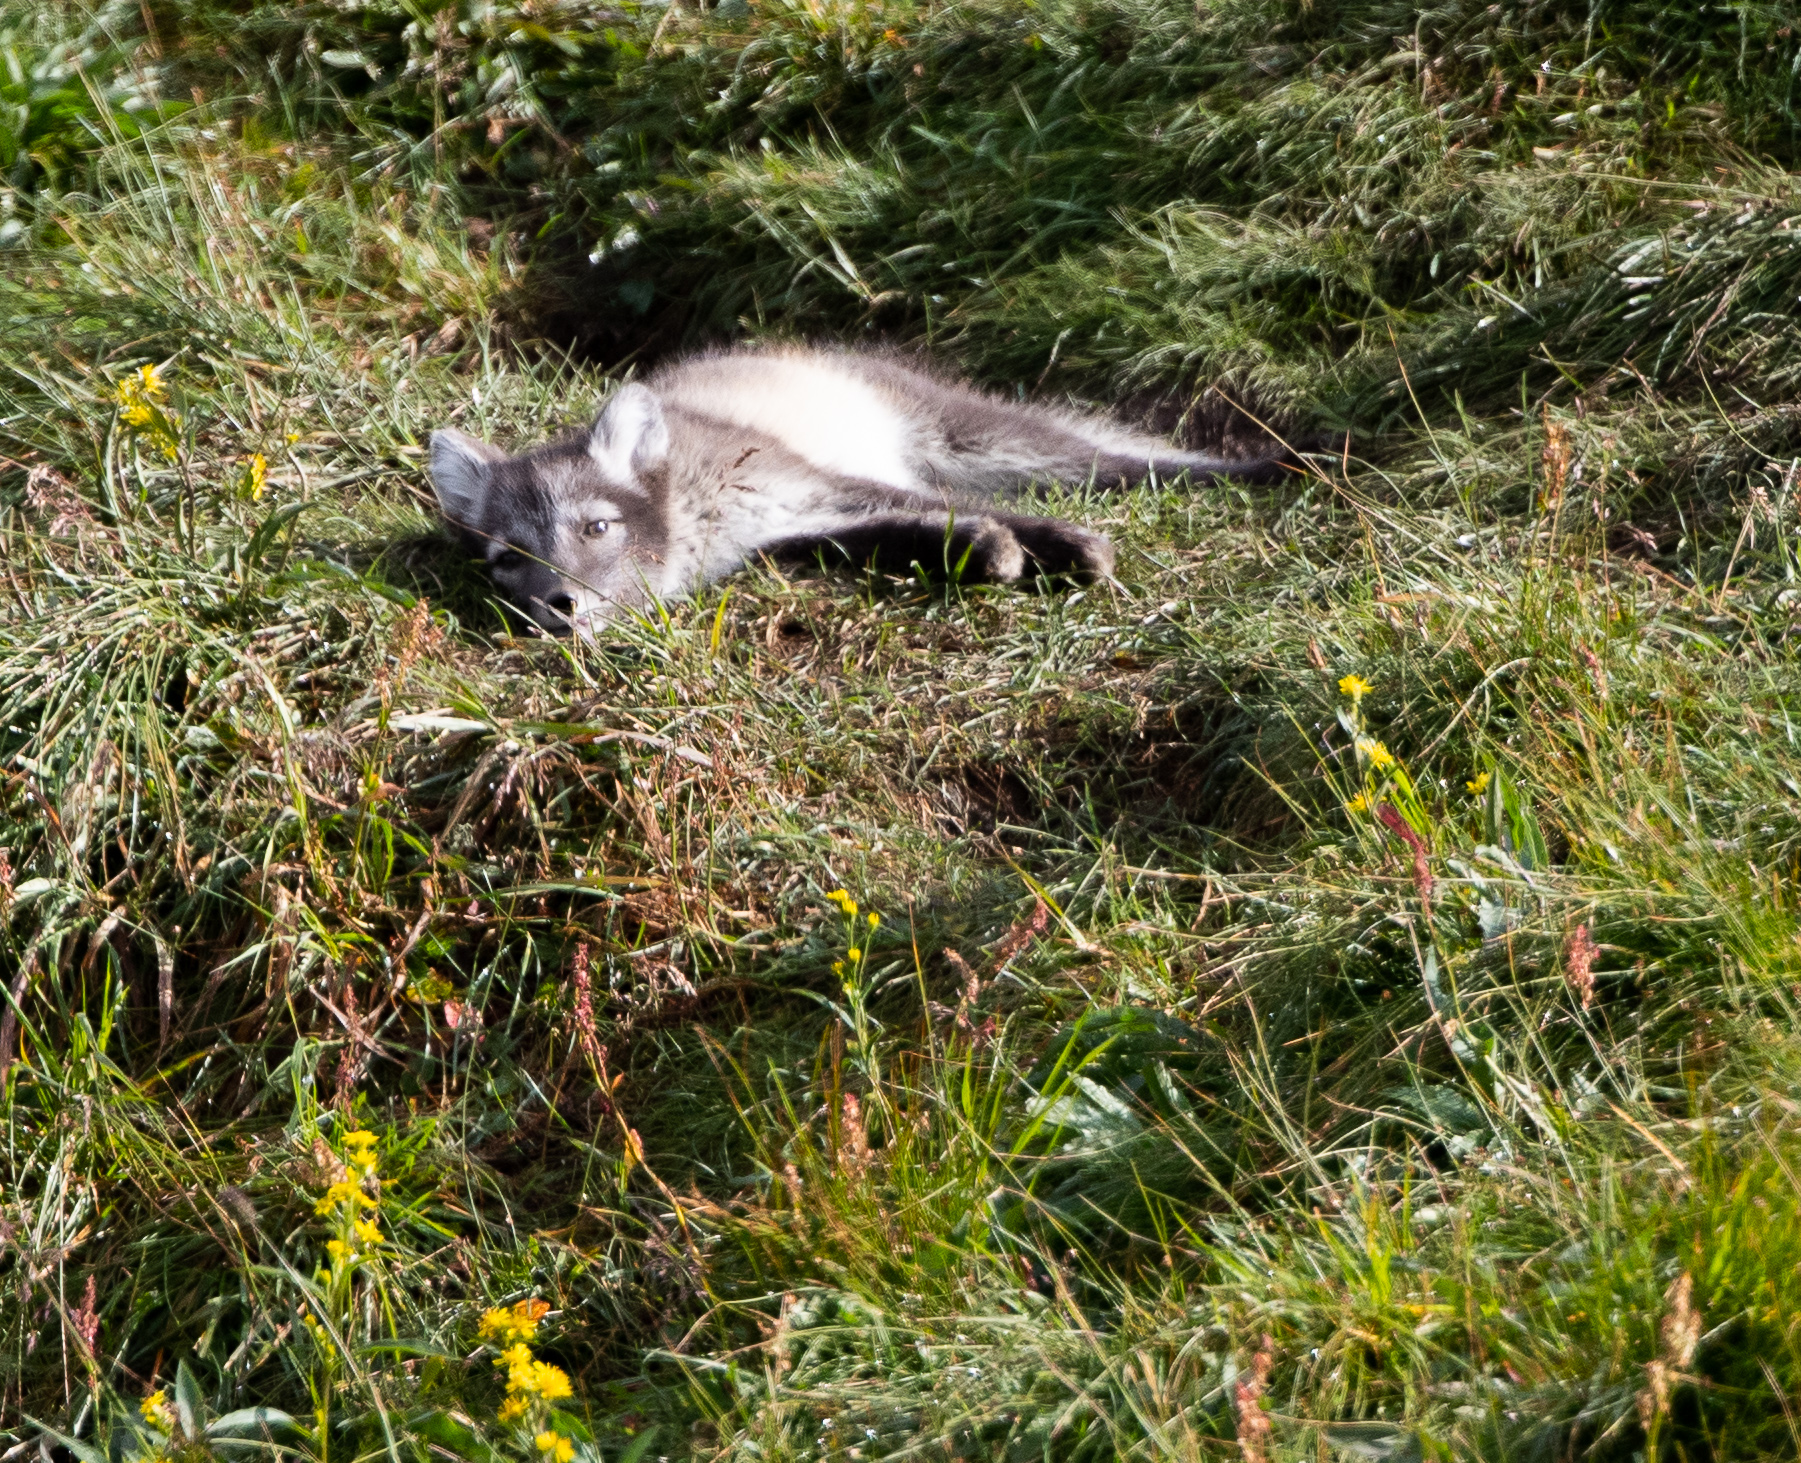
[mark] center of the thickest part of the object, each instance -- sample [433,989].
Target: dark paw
[987,549]
[1056,547]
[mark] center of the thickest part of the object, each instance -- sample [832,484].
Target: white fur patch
[839,424]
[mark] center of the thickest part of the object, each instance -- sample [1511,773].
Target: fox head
[571,531]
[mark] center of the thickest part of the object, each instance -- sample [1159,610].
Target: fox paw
[990,550]
[1056,547]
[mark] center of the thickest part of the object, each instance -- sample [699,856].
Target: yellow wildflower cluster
[349,1196]
[154,1409]
[527,1377]
[1369,750]
[1386,789]
[256,476]
[139,398]
[848,908]
[509,1324]
[362,1145]
[1478,784]
[344,1191]
[532,1385]
[136,393]
[1380,774]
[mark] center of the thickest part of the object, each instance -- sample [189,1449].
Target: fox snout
[572,609]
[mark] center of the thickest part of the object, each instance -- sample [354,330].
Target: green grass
[1240,1067]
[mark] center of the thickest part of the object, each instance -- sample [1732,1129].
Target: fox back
[718,458]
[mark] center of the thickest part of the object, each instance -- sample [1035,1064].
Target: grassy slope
[1176,1106]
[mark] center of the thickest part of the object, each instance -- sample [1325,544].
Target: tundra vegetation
[1332,993]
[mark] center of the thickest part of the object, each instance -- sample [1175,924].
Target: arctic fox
[717,459]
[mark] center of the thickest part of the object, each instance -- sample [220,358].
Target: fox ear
[630,435]
[460,474]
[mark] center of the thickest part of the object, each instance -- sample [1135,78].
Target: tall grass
[1331,992]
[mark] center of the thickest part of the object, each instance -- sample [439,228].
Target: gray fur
[718,459]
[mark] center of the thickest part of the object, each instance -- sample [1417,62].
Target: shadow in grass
[436,567]
[1193,776]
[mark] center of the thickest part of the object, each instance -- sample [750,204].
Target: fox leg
[988,545]
[973,542]
[1056,547]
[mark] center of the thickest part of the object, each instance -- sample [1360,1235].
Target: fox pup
[717,459]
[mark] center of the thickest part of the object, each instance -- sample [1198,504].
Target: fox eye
[596,528]
[511,559]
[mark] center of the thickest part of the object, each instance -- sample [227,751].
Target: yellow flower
[854,953]
[255,476]
[137,414]
[514,1323]
[338,1250]
[1378,754]
[150,380]
[359,1154]
[874,920]
[154,1409]
[527,1377]
[1358,804]
[293,437]
[368,1231]
[843,900]
[1355,687]
[556,1445]
[1478,784]
[512,1409]
[345,1191]
[550,1382]
[837,967]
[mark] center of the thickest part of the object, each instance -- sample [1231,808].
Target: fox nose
[561,603]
